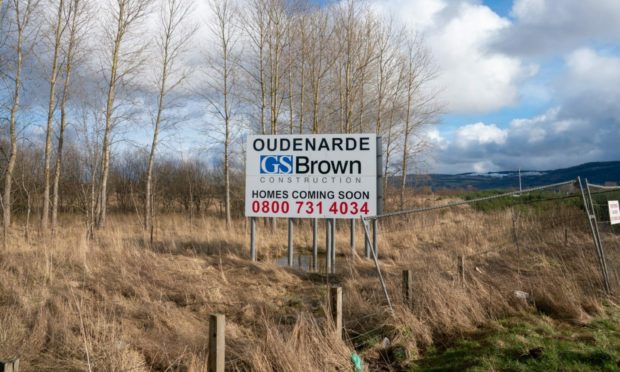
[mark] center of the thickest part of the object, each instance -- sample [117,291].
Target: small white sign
[614,211]
[311,176]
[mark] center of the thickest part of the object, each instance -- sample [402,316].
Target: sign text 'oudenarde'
[311,176]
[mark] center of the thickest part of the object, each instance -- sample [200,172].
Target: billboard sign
[614,211]
[311,176]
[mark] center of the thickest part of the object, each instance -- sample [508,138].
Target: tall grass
[122,301]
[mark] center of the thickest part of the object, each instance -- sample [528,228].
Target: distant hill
[599,173]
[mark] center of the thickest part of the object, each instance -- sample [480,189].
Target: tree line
[78,76]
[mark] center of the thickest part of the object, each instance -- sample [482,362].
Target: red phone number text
[310,207]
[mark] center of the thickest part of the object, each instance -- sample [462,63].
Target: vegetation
[143,245]
[532,199]
[533,343]
[122,299]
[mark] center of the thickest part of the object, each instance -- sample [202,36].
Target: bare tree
[296,53]
[307,69]
[3,37]
[385,55]
[78,19]
[289,77]
[355,34]
[58,29]
[319,62]
[1,10]
[276,44]
[170,43]
[420,107]
[255,25]
[90,120]
[224,85]
[127,14]
[23,11]
[302,24]
[390,88]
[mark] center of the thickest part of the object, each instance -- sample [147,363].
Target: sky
[530,84]
[524,84]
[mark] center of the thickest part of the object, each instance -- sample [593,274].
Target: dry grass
[119,302]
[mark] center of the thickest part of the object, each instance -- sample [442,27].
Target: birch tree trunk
[50,118]
[105,162]
[407,133]
[225,32]
[128,13]
[76,9]
[420,106]
[22,19]
[171,41]
[303,53]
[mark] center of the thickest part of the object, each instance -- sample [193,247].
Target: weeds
[120,301]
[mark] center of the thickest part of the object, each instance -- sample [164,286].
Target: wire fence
[550,246]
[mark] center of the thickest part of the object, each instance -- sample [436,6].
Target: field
[122,301]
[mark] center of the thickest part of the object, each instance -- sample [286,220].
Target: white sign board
[614,211]
[311,176]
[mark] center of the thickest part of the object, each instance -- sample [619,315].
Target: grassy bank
[532,343]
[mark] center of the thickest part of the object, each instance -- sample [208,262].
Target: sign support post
[315,245]
[328,245]
[290,242]
[253,239]
[333,248]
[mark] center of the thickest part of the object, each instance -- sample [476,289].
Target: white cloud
[551,140]
[479,134]
[550,26]
[590,88]
[483,166]
[476,80]
[436,139]
[529,9]
[472,77]
[543,142]
[588,68]
[419,14]
[583,127]
[487,63]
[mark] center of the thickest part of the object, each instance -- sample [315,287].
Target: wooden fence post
[9,365]
[461,265]
[407,289]
[335,306]
[217,343]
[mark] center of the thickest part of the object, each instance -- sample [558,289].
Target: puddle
[303,262]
